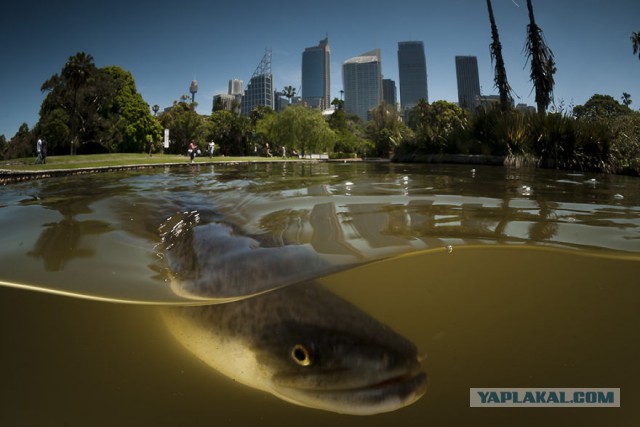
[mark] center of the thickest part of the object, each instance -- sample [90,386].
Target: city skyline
[165,46]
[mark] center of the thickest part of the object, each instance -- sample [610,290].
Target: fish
[279,329]
[307,346]
[211,260]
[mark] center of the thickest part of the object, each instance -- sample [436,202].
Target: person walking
[39,151]
[43,150]
[193,148]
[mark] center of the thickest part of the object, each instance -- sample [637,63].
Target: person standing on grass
[39,151]
[43,151]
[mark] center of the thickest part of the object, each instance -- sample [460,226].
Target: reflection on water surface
[504,308]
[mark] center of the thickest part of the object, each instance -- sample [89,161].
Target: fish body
[307,346]
[282,332]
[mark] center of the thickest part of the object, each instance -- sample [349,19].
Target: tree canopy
[600,107]
[92,109]
[297,128]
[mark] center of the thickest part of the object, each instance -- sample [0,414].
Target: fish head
[341,370]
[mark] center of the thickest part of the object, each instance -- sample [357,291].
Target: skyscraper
[389,92]
[235,87]
[316,75]
[412,68]
[259,91]
[468,81]
[362,83]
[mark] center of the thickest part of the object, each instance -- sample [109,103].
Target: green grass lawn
[106,160]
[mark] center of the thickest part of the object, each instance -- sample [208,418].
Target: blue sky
[165,45]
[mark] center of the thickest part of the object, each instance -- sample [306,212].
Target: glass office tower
[412,68]
[362,83]
[468,81]
[316,75]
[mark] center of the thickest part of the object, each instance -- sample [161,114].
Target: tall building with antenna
[316,75]
[193,89]
[259,91]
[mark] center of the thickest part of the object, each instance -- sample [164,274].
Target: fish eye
[301,355]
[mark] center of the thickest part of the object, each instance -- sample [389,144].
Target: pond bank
[464,159]
[8,176]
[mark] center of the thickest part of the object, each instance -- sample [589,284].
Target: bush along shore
[593,138]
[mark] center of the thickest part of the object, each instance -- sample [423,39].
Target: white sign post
[166,138]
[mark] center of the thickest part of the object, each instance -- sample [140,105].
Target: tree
[600,107]
[542,63]
[231,132]
[4,145]
[385,130]
[350,131]
[184,124]
[635,42]
[500,78]
[434,125]
[132,125]
[297,128]
[626,99]
[67,91]
[95,110]
[289,92]
[22,144]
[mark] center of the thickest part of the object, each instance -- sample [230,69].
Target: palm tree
[626,98]
[542,64]
[635,40]
[500,78]
[289,92]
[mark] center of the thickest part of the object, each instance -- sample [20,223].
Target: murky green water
[501,278]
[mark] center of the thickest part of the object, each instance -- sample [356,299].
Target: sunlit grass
[114,160]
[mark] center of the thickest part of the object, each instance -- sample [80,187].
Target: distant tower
[193,89]
[389,92]
[259,91]
[235,87]
[468,82]
[316,75]
[412,67]
[362,83]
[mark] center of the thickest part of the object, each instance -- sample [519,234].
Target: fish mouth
[386,394]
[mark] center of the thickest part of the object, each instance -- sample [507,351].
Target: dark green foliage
[385,130]
[231,131]
[543,65]
[600,107]
[4,145]
[350,131]
[184,125]
[500,78]
[23,144]
[89,109]
[438,127]
[602,135]
[298,129]
[635,42]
